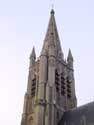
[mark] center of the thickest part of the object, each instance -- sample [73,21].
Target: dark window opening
[63,88]
[62,92]
[33,89]
[68,87]
[68,95]
[57,80]
[68,90]
[57,115]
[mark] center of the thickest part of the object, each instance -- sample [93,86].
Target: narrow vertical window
[68,87]
[57,116]
[63,88]
[33,89]
[57,80]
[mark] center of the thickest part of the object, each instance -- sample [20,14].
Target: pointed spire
[52,37]
[70,57]
[32,57]
[33,54]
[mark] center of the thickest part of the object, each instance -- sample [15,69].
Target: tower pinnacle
[32,57]
[70,57]
[33,54]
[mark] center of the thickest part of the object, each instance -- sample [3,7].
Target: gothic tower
[51,86]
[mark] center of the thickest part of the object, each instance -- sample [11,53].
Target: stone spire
[32,57]
[33,54]
[52,37]
[50,86]
[70,57]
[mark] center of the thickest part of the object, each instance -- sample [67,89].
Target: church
[50,98]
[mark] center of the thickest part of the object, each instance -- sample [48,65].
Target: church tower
[51,86]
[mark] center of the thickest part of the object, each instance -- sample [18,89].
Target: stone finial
[52,11]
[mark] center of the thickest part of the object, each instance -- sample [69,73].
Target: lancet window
[63,85]
[33,89]
[68,87]
[57,80]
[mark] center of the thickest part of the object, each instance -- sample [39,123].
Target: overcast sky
[23,23]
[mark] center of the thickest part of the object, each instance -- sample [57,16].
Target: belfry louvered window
[68,87]
[33,89]
[57,80]
[63,88]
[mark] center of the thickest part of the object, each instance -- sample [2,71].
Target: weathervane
[52,4]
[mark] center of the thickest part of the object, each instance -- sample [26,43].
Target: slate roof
[83,115]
